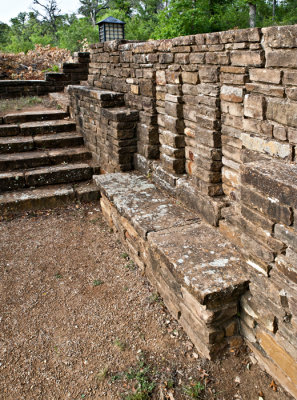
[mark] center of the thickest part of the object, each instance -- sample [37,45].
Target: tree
[50,14]
[4,35]
[252,13]
[91,9]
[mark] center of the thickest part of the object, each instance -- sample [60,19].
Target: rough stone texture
[200,288]
[217,130]
[50,158]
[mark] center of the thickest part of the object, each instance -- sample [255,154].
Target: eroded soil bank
[78,320]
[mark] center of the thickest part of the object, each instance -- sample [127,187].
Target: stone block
[280,36]
[232,94]
[290,77]
[190,77]
[287,235]
[173,77]
[292,135]
[265,75]
[171,139]
[233,79]
[266,205]
[174,109]
[173,124]
[181,58]
[173,164]
[166,58]
[254,106]
[281,58]
[197,58]
[265,146]
[282,112]
[247,58]
[276,180]
[268,90]
[235,109]
[262,128]
[291,93]
[208,74]
[221,58]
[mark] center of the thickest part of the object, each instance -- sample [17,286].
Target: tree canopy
[146,19]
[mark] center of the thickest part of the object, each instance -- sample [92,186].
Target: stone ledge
[196,271]
[276,180]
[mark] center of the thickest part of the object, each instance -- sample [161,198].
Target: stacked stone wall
[218,129]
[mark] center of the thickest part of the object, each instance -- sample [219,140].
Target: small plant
[102,375]
[53,68]
[115,377]
[155,298]
[131,266]
[125,255]
[97,282]
[58,276]
[143,384]
[195,390]
[121,345]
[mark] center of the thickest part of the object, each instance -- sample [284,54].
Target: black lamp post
[110,29]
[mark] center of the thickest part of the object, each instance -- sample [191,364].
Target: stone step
[9,130]
[43,127]
[16,144]
[120,114]
[52,175]
[39,158]
[29,116]
[46,197]
[104,98]
[195,269]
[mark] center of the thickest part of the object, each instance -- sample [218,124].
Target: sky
[13,7]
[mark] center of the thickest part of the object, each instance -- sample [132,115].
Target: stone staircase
[43,161]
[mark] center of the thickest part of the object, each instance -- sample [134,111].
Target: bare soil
[29,103]
[79,321]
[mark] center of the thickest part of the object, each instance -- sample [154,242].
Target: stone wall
[217,128]
[72,73]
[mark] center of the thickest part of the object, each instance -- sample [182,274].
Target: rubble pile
[34,63]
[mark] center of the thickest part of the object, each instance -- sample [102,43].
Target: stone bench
[196,271]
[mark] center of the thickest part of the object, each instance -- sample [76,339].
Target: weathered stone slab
[44,115]
[39,127]
[29,199]
[276,180]
[210,275]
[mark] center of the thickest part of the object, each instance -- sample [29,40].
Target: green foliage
[143,383]
[147,19]
[71,36]
[194,391]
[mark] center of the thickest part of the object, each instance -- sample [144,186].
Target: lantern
[110,29]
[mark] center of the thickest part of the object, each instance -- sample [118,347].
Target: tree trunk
[252,15]
[273,9]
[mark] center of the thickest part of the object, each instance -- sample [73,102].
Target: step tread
[39,193]
[15,139]
[27,116]
[42,153]
[59,167]
[45,137]
[199,256]
[47,196]
[53,123]
[56,136]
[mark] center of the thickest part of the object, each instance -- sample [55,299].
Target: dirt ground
[78,320]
